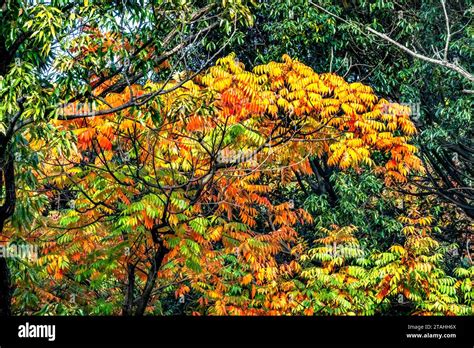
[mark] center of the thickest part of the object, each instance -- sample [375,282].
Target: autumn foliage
[183,190]
[155,173]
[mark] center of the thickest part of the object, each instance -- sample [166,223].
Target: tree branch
[441,62]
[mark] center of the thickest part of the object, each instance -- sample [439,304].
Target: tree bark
[151,279]
[7,185]
[128,305]
[5,289]
[7,174]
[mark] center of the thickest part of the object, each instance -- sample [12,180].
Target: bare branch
[448,30]
[442,62]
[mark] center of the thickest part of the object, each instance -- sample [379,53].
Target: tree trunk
[151,279]
[128,305]
[7,183]
[5,288]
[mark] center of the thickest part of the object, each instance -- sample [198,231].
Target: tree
[454,185]
[187,183]
[52,51]
[340,41]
